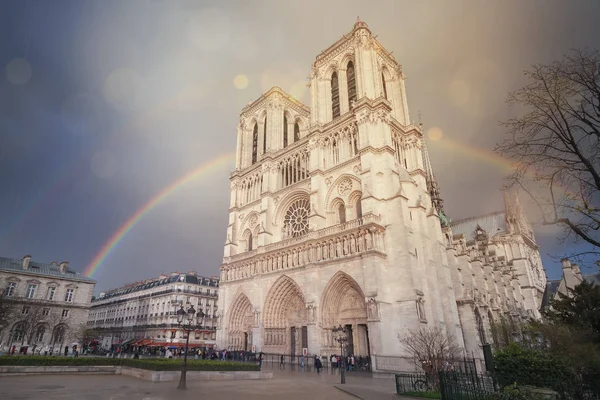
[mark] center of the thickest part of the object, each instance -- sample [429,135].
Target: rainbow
[117,236]
[475,153]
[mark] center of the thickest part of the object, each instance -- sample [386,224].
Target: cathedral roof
[549,292]
[492,224]
[51,270]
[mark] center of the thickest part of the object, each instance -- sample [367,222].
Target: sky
[104,104]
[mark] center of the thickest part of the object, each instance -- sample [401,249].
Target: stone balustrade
[351,238]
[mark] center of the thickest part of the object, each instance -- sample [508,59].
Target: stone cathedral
[336,219]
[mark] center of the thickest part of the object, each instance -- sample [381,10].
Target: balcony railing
[345,240]
[330,230]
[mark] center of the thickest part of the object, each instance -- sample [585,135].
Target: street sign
[304,351]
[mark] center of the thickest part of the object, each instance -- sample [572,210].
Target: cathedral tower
[331,218]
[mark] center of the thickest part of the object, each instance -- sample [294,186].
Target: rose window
[296,219]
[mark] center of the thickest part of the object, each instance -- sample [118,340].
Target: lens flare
[240,81]
[435,134]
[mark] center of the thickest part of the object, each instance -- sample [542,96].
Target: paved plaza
[288,385]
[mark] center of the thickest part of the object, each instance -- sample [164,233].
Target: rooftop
[492,224]
[162,280]
[35,268]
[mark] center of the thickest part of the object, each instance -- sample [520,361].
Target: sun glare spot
[435,134]
[240,81]
[18,71]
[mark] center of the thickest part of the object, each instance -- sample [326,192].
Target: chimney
[577,271]
[26,260]
[63,267]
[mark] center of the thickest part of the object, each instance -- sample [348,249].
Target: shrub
[533,367]
[154,364]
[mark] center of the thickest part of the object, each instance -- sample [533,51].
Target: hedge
[154,364]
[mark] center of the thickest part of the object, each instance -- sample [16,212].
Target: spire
[432,185]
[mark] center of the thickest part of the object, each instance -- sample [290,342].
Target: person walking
[281,362]
[318,364]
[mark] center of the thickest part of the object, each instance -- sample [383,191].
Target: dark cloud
[123,98]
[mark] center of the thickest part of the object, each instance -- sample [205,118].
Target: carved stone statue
[373,309]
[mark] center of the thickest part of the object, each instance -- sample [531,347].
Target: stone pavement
[359,385]
[288,385]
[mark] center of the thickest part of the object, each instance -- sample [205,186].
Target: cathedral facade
[336,219]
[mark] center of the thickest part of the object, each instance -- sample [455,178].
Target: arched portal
[343,303]
[240,324]
[284,318]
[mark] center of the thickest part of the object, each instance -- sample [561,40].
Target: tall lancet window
[342,214]
[285,139]
[351,84]
[254,143]
[265,137]
[358,208]
[296,132]
[384,88]
[335,95]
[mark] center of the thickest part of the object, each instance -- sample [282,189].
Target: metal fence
[306,363]
[416,384]
[455,385]
[472,386]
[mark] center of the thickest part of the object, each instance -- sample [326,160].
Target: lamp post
[340,335]
[185,319]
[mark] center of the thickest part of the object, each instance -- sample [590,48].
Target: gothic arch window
[285,131]
[384,87]
[341,213]
[296,132]
[249,242]
[39,333]
[58,335]
[479,326]
[351,83]
[265,136]
[358,208]
[335,95]
[254,143]
[295,222]
[19,331]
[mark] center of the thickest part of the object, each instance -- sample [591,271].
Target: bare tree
[83,333]
[431,347]
[7,310]
[555,144]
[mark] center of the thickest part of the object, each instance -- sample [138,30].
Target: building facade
[47,305]
[336,219]
[570,279]
[144,313]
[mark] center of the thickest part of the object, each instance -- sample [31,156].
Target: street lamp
[340,335]
[185,319]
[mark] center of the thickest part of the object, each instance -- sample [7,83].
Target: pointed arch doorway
[285,321]
[343,303]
